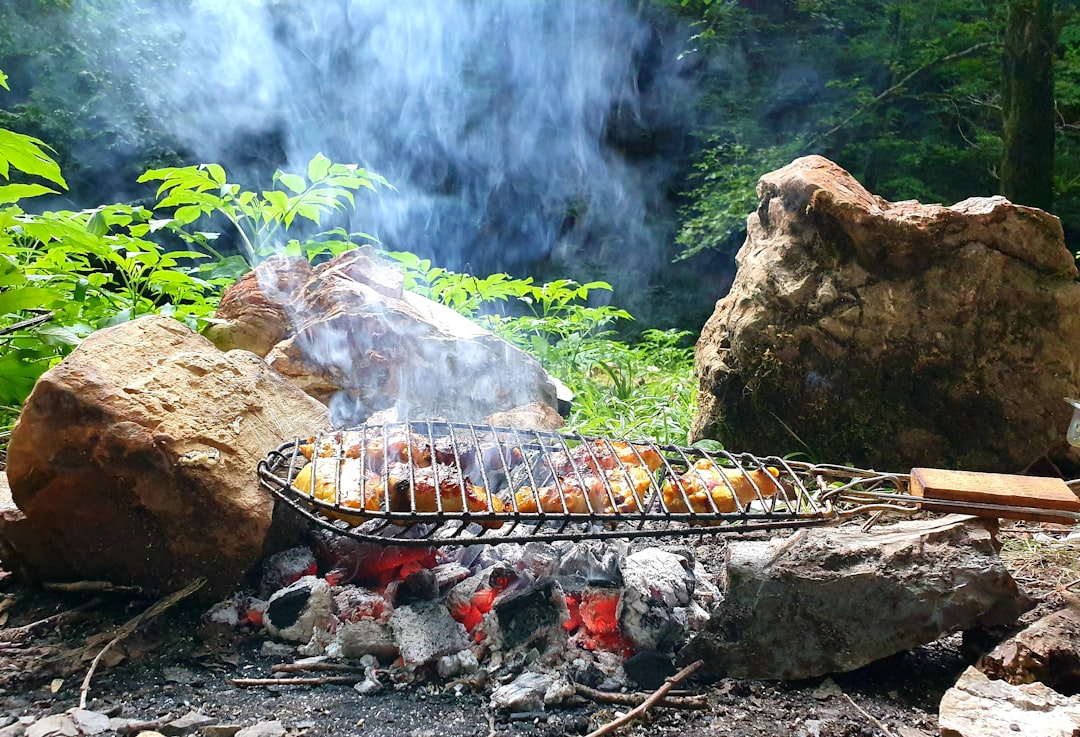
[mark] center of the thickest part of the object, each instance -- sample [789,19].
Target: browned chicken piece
[706,481]
[375,446]
[343,482]
[435,488]
[589,494]
[601,455]
[629,487]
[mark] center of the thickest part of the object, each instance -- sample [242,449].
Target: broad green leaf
[216,173]
[25,154]
[27,298]
[318,167]
[15,192]
[293,182]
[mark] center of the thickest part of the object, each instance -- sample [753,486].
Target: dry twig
[133,624]
[15,634]
[312,681]
[301,667]
[636,699]
[656,696]
[877,723]
[107,587]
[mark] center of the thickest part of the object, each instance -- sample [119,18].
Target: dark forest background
[935,100]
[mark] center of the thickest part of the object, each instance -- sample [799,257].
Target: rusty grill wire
[497,485]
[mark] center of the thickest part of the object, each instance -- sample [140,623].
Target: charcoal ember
[533,613]
[653,611]
[350,561]
[294,612]
[425,632]
[286,567]
[355,603]
[540,558]
[648,670]
[590,563]
[448,574]
[421,585]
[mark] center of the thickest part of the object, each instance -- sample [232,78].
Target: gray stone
[979,707]
[219,730]
[892,335]
[263,729]
[53,725]
[190,722]
[89,722]
[829,600]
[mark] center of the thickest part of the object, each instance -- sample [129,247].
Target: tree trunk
[1027,166]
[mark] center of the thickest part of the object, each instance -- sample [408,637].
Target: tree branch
[907,78]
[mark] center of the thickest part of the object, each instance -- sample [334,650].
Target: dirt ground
[177,663]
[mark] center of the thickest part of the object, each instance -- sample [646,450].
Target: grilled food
[438,488]
[376,447]
[361,488]
[589,493]
[602,455]
[707,488]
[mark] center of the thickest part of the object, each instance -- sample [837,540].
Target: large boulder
[830,600]
[892,334]
[134,460]
[352,336]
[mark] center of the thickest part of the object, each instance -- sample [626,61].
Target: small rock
[263,729]
[53,725]
[89,722]
[979,707]
[219,730]
[187,724]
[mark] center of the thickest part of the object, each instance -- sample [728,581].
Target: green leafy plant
[262,220]
[645,389]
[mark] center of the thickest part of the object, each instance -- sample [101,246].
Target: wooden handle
[1014,497]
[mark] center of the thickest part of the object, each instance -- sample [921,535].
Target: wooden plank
[994,488]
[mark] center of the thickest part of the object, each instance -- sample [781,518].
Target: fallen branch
[636,699]
[107,587]
[302,681]
[656,696]
[133,624]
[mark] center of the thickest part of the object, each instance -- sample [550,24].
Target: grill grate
[430,482]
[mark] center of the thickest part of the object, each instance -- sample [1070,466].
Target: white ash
[371,683]
[524,693]
[654,608]
[293,613]
[354,603]
[456,664]
[425,632]
[532,691]
[362,637]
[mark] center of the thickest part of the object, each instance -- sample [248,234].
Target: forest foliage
[905,94]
